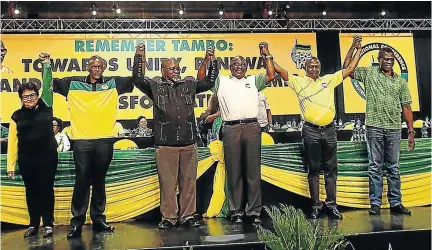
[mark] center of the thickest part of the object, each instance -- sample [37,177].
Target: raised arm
[349,70]
[138,74]
[213,72]
[201,75]
[282,72]
[356,44]
[60,86]
[270,67]
[47,89]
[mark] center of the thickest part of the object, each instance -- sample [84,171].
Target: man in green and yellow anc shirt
[92,103]
[316,99]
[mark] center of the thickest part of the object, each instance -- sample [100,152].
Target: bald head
[170,69]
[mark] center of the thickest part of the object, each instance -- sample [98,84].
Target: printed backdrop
[403,47]
[70,55]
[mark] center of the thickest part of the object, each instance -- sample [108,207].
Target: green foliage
[292,231]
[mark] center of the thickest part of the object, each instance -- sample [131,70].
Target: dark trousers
[38,172]
[177,165]
[242,155]
[92,159]
[320,145]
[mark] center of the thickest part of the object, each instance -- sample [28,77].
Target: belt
[243,121]
[318,126]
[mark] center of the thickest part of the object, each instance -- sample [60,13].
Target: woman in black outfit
[32,145]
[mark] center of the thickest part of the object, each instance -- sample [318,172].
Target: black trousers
[321,150]
[242,155]
[92,159]
[38,172]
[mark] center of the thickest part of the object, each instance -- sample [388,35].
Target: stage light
[287,6]
[269,10]
[324,13]
[221,10]
[93,10]
[116,9]
[181,10]
[16,9]
[383,13]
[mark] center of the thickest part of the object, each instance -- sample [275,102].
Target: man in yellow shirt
[316,99]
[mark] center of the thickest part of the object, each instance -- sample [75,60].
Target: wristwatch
[269,56]
[411,132]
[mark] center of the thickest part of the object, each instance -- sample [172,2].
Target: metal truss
[208,25]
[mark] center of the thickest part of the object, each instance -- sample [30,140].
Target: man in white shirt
[63,143]
[264,113]
[238,101]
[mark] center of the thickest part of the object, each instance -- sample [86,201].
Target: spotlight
[181,10]
[221,10]
[16,9]
[269,10]
[324,13]
[383,13]
[117,9]
[287,6]
[93,10]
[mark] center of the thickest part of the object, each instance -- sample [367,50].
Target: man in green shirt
[387,94]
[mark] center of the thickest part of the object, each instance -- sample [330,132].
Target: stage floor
[212,234]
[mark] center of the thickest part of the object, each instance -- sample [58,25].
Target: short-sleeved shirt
[263,106]
[385,96]
[316,97]
[238,98]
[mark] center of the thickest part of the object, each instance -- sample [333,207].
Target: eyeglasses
[29,97]
[173,69]
[97,67]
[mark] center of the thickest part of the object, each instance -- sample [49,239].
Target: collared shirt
[91,104]
[173,105]
[238,98]
[316,97]
[385,96]
[263,106]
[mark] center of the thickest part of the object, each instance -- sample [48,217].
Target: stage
[367,232]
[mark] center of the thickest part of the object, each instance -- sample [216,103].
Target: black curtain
[422,49]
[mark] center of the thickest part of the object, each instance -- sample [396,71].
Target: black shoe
[316,212]
[237,218]
[164,224]
[192,222]
[47,232]
[31,231]
[334,213]
[102,227]
[256,219]
[375,210]
[74,231]
[400,209]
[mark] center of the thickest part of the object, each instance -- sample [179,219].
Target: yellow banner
[402,45]
[70,54]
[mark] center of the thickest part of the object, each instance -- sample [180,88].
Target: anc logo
[300,53]
[377,46]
